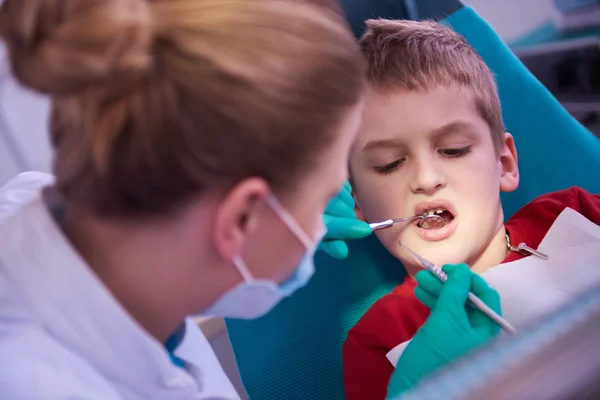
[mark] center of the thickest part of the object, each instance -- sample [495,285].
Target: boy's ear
[359,214]
[509,175]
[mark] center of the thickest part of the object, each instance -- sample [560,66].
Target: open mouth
[439,220]
[435,219]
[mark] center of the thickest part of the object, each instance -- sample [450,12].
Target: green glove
[342,224]
[451,330]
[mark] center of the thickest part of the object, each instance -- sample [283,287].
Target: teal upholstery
[555,151]
[295,351]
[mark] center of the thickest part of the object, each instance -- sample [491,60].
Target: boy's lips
[433,205]
[434,235]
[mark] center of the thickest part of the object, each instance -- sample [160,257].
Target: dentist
[197,143]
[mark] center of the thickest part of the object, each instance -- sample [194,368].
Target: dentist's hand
[451,330]
[342,224]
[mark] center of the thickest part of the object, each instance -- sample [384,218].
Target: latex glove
[342,224]
[451,330]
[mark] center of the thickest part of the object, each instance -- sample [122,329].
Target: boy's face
[431,150]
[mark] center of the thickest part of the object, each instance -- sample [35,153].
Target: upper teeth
[431,212]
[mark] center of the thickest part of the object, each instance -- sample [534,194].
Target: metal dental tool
[474,301]
[375,226]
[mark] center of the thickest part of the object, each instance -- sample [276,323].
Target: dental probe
[474,300]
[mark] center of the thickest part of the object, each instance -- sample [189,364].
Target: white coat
[62,333]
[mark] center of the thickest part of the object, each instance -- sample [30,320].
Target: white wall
[513,18]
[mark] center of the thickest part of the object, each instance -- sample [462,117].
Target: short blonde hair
[414,55]
[156,102]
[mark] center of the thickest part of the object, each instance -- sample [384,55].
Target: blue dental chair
[295,352]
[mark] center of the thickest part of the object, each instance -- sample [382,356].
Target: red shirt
[396,317]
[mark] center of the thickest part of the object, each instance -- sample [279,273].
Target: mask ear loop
[289,221]
[292,225]
[242,269]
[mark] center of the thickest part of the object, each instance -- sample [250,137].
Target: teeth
[431,212]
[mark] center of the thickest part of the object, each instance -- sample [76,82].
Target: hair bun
[61,47]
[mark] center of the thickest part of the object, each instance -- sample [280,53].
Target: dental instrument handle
[474,301]
[375,226]
[484,308]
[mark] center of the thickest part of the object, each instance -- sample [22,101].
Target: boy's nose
[427,179]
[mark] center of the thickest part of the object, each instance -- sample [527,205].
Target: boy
[433,141]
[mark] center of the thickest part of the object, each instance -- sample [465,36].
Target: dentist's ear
[237,215]
[509,173]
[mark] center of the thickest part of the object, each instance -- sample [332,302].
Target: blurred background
[557,40]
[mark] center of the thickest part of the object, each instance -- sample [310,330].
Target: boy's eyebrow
[446,130]
[383,144]
[452,127]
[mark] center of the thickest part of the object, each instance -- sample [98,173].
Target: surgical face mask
[253,298]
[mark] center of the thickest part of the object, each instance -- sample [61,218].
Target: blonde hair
[155,102]
[415,55]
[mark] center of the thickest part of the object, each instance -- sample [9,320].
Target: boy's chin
[412,267]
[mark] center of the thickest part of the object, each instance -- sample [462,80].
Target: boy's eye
[384,169]
[455,153]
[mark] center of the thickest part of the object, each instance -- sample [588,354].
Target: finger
[338,208]
[346,195]
[490,297]
[449,268]
[346,186]
[334,248]
[485,292]
[456,288]
[483,323]
[346,228]
[429,283]
[425,298]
